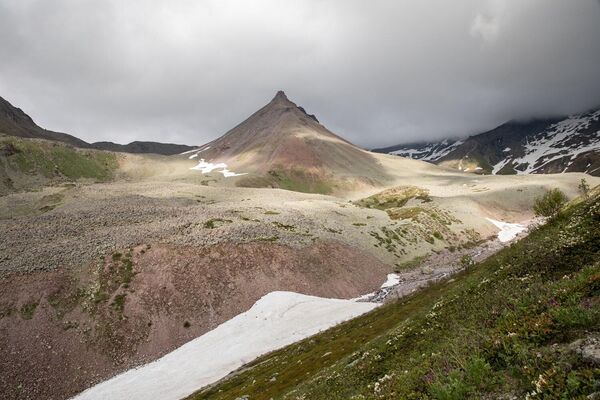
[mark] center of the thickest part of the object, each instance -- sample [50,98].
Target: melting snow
[508,231]
[274,321]
[196,151]
[392,280]
[188,152]
[206,168]
[227,173]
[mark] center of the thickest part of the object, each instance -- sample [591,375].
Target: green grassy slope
[28,163]
[504,328]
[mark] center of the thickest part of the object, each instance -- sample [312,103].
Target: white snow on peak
[274,321]
[508,231]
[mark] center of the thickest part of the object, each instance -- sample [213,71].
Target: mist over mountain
[565,144]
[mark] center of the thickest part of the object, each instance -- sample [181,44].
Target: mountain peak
[283,146]
[281,98]
[280,95]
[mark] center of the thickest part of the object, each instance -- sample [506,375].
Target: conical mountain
[282,146]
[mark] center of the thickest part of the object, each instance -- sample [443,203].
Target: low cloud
[378,73]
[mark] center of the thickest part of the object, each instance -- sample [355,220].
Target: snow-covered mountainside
[426,151]
[569,144]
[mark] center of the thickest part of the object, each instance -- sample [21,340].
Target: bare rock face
[588,348]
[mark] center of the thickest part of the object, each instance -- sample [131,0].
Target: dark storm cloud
[377,72]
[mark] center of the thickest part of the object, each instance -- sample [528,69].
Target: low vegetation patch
[293,179]
[28,310]
[405,213]
[52,160]
[27,163]
[286,227]
[394,197]
[216,222]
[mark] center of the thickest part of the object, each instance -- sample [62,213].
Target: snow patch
[508,231]
[227,173]
[274,321]
[392,280]
[206,168]
[500,165]
[188,152]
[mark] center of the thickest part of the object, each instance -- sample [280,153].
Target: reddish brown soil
[91,324]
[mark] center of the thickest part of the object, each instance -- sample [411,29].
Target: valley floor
[277,319]
[98,278]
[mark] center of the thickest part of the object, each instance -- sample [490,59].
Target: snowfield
[508,231]
[274,321]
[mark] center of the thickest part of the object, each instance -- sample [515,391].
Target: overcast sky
[376,72]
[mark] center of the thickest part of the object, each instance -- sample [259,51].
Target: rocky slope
[14,122]
[569,144]
[282,146]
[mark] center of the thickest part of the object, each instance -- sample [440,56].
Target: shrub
[584,188]
[550,204]
[466,261]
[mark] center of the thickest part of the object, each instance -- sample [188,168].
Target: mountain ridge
[552,145]
[15,122]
